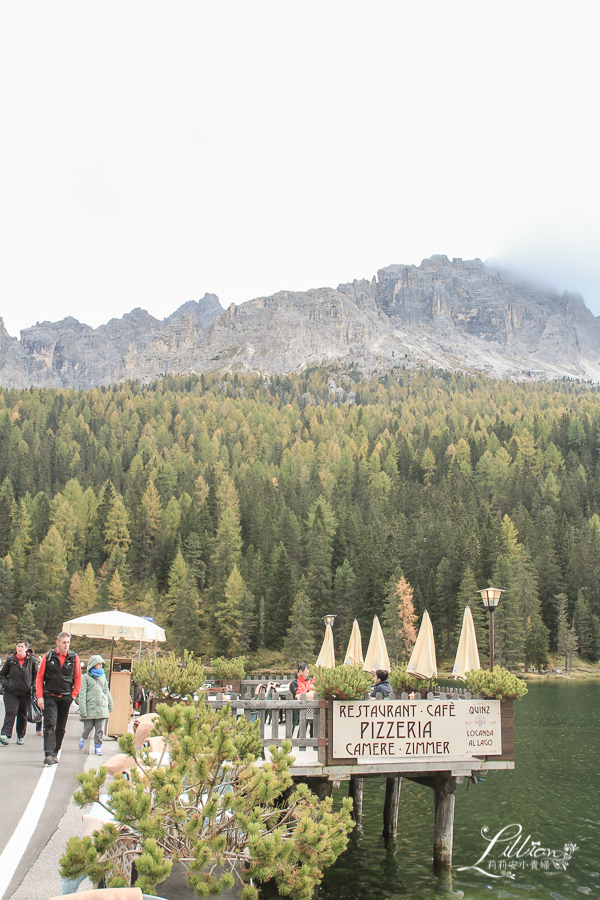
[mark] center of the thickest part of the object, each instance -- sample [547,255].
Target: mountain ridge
[451,314]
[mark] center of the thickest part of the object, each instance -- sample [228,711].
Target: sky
[152,152]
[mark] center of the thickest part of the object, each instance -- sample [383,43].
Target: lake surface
[553,794]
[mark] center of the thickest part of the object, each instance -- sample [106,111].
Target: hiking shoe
[3,740]
[50,760]
[81,743]
[98,749]
[20,741]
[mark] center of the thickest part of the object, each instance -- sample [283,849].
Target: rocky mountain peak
[454,314]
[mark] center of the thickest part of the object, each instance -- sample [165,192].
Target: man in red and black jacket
[58,683]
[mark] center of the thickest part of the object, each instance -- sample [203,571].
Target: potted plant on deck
[404,682]
[230,671]
[168,678]
[209,809]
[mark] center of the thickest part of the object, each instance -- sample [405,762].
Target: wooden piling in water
[322,787]
[443,831]
[390,807]
[355,791]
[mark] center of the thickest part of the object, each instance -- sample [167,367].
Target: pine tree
[194,558]
[390,617]
[508,621]
[229,615]
[280,596]
[52,571]
[6,590]
[582,623]
[428,466]
[116,592]
[319,556]
[536,642]
[595,643]
[407,633]
[21,547]
[116,529]
[75,595]
[468,595]
[150,514]
[566,638]
[178,579]
[186,625]
[447,602]
[8,510]
[27,628]
[524,586]
[344,599]
[227,554]
[300,639]
[83,593]
[249,620]
[68,526]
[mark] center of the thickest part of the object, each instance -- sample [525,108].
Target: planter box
[176,887]
[154,701]
[223,684]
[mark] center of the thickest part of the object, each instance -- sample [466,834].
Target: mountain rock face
[457,314]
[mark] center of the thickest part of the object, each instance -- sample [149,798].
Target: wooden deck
[308,725]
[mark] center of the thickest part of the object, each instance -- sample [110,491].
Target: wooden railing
[308,723]
[280,719]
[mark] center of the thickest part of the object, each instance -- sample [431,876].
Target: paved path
[34,838]
[49,822]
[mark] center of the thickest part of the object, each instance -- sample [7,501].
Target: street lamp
[328,620]
[491,599]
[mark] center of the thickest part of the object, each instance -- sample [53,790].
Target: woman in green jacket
[95,703]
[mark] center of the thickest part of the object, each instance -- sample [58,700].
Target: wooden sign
[378,730]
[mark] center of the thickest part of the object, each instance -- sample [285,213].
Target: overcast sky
[151,152]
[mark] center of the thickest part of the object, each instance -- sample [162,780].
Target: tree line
[234,508]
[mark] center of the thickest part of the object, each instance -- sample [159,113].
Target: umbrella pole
[112,650]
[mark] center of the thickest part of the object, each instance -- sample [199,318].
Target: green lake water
[553,793]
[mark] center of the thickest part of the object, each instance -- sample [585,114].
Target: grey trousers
[98,724]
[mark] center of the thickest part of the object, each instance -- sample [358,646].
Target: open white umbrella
[467,654]
[354,654]
[113,625]
[422,661]
[326,656]
[377,655]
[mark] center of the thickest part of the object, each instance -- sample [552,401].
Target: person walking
[58,683]
[18,677]
[95,703]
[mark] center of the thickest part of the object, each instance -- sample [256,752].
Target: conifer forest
[238,509]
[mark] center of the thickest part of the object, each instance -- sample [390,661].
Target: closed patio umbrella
[326,656]
[377,655]
[422,661]
[354,654]
[467,654]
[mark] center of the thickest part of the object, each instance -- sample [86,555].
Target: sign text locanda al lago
[379,731]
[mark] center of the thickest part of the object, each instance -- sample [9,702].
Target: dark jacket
[18,679]
[59,680]
[382,687]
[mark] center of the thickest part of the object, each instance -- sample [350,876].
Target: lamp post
[328,620]
[491,599]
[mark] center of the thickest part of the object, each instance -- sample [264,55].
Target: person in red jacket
[18,679]
[58,683]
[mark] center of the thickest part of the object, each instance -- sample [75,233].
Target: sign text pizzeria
[379,730]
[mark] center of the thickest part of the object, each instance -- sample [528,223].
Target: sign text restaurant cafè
[397,729]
